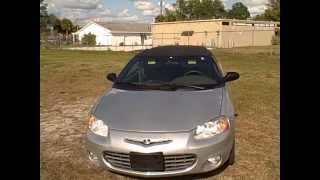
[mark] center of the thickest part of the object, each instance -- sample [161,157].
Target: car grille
[171,162]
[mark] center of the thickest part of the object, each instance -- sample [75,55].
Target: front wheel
[232,155]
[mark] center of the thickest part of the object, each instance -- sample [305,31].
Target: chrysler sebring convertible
[168,113]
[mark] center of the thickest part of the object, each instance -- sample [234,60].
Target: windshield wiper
[167,86]
[195,86]
[177,86]
[128,83]
[139,85]
[188,86]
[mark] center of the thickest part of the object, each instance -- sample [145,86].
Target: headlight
[97,126]
[212,128]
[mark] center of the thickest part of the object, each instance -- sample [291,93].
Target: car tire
[232,155]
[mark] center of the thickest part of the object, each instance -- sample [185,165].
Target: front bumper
[182,143]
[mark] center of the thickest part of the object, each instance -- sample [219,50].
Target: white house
[116,34]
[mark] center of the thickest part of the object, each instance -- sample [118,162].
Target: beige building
[221,33]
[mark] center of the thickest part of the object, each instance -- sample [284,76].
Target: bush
[276,38]
[89,39]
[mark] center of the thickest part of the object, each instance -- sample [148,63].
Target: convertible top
[177,50]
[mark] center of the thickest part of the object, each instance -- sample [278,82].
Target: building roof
[126,27]
[176,50]
[212,20]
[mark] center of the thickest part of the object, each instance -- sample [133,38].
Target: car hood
[158,111]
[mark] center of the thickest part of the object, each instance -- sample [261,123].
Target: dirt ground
[71,81]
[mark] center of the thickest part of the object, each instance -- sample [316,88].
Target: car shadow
[187,177]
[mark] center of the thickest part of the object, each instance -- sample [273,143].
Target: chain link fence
[56,40]
[219,39]
[131,42]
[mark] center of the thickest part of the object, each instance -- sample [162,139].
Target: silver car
[168,113]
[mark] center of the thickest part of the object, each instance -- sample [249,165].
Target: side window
[135,73]
[220,67]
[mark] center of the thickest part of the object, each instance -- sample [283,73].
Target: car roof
[177,50]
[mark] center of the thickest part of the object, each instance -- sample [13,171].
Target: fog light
[92,156]
[215,160]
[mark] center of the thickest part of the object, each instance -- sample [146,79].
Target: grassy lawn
[71,80]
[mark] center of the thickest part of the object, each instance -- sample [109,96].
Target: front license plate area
[147,162]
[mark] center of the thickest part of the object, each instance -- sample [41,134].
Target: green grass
[71,75]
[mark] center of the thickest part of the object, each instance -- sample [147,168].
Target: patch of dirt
[62,139]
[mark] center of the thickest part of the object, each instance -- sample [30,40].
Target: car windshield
[183,72]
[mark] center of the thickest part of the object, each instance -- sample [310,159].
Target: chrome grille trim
[171,162]
[179,162]
[117,158]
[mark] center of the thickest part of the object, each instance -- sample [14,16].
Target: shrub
[89,39]
[276,38]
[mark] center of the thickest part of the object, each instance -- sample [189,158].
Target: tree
[43,16]
[43,9]
[182,9]
[75,28]
[194,9]
[89,39]
[218,8]
[273,10]
[52,19]
[160,18]
[66,26]
[239,11]
[259,17]
[57,25]
[272,13]
[170,16]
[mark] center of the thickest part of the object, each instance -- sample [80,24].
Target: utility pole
[161,7]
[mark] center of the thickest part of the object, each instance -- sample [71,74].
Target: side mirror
[231,76]
[112,77]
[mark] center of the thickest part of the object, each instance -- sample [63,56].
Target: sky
[81,11]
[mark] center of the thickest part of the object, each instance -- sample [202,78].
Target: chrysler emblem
[147,141]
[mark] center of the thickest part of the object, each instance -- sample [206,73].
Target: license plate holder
[147,162]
